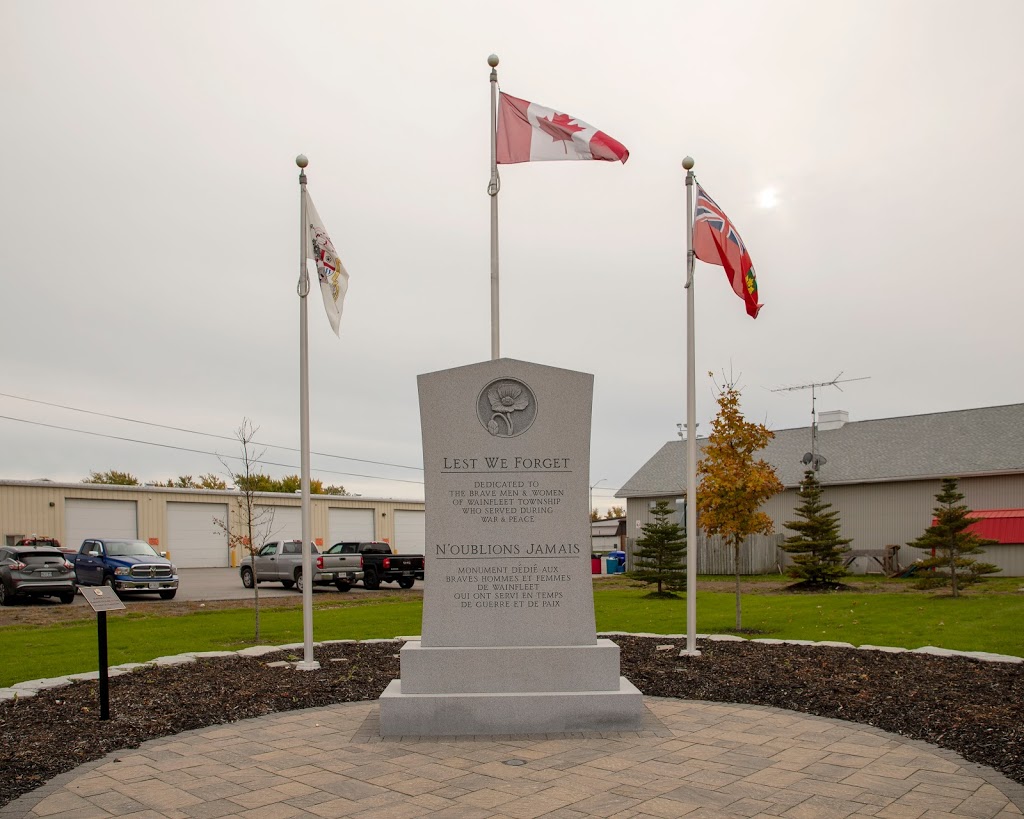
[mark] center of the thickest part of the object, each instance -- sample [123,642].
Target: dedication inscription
[508,530]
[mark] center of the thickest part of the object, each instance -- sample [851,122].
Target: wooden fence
[759,554]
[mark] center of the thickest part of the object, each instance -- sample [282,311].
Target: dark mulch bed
[970,707]
[817,587]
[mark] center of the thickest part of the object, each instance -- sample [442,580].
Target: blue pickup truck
[125,566]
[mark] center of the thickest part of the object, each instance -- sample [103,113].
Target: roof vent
[833,419]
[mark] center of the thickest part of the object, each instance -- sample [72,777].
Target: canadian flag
[528,132]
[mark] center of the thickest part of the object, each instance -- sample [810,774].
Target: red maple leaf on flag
[560,127]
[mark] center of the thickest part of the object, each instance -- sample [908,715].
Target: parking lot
[199,585]
[225,584]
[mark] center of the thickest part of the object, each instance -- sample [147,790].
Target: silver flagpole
[308,663]
[492,191]
[691,430]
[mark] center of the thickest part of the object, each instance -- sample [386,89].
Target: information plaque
[101,598]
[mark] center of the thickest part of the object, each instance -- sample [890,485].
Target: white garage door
[410,532]
[85,519]
[349,524]
[287,523]
[193,539]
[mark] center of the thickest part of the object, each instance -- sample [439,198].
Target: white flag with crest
[331,272]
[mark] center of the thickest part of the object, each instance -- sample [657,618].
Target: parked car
[36,540]
[280,561]
[125,566]
[381,564]
[35,571]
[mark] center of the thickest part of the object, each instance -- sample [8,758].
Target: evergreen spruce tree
[660,556]
[951,543]
[818,550]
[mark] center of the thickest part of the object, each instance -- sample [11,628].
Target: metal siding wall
[383,511]
[1010,557]
[874,515]
[24,512]
[25,508]
[639,509]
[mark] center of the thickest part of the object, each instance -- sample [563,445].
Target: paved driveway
[225,584]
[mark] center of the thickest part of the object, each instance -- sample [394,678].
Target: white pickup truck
[280,561]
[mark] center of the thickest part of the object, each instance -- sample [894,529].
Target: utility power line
[197,451]
[199,432]
[599,490]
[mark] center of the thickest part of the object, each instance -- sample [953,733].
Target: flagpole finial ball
[687,163]
[492,61]
[301,161]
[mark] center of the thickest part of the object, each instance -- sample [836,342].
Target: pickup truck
[381,564]
[125,566]
[280,561]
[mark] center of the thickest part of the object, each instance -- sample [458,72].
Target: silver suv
[35,571]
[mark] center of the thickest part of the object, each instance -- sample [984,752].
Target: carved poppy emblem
[506,407]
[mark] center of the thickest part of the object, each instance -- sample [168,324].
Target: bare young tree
[254,523]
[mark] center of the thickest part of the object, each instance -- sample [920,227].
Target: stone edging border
[983,656]
[30,688]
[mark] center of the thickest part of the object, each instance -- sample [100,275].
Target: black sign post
[102,599]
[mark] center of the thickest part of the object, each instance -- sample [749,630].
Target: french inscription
[517,586]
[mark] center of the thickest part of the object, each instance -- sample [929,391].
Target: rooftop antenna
[812,458]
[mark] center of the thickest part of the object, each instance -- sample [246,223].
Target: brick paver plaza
[693,759]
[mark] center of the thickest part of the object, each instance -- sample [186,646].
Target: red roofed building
[1004,525]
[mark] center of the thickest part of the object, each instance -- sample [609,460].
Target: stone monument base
[454,691]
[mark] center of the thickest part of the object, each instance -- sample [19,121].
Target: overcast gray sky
[868,152]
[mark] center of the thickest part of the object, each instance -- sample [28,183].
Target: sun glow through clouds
[768,198]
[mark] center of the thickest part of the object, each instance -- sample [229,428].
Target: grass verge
[976,623]
[988,622]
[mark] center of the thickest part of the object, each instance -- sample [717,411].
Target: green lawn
[974,623]
[48,651]
[979,622]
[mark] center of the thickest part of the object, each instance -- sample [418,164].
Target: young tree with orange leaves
[733,485]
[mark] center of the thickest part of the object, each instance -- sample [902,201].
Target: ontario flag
[716,241]
[329,269]
[528,132]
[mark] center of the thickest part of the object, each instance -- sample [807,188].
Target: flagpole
[492,190]
[308,663]
[691,430]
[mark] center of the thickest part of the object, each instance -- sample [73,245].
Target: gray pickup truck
[280,561]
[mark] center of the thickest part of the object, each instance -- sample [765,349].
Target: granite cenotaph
[508,643]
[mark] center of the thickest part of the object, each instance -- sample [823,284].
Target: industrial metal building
[881,475]
[183,522]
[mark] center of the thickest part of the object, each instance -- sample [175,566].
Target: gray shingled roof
[982,441]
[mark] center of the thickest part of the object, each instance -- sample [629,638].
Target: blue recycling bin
[611,564]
